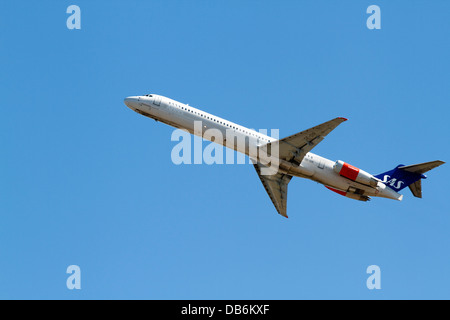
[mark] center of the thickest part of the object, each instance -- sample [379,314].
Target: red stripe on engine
[342,193]
[349,171]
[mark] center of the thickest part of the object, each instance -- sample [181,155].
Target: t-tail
[408,176]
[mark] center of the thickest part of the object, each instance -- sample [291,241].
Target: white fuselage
[312,167]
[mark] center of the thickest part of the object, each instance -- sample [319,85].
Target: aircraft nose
[131,102]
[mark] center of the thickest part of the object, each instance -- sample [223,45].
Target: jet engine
[352,193]
[355,174]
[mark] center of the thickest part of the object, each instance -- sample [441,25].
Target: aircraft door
[157,101]
[321,164]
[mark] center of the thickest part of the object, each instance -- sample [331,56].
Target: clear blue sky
[86,181]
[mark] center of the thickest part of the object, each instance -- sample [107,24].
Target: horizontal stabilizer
[421,168]
[408,176]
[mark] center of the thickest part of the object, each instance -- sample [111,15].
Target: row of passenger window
[213,119]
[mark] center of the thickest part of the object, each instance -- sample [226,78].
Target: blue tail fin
[399,179]
[404,176]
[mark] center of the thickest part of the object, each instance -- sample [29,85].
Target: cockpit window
[148,95]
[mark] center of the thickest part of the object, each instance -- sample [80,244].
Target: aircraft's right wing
[295,147]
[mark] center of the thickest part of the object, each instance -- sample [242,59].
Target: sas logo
[393,182]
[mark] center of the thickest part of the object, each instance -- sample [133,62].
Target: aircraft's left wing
[292,149]
[276,187]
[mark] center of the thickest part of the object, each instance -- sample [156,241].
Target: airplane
[292,154]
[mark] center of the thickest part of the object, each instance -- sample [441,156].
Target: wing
[295,147]
[276,187]
[292,149]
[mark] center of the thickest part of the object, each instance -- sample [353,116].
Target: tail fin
[408,176]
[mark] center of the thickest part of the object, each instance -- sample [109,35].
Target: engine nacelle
[355,174]
[358,197]
[352,194]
